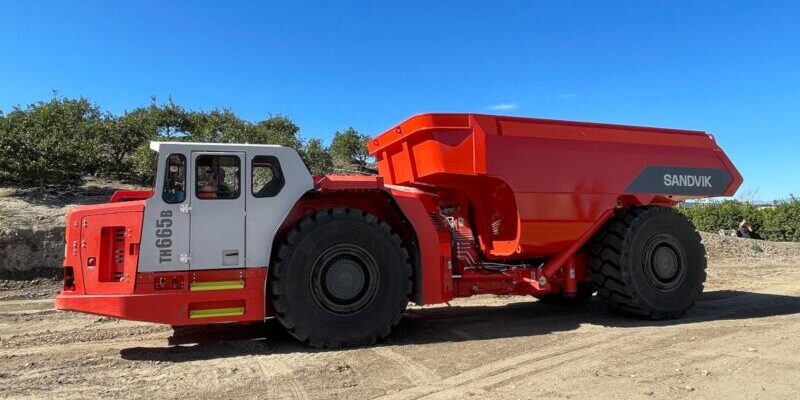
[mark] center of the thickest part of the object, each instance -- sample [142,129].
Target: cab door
[217,209]
[165,231]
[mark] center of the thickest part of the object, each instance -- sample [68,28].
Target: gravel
[720,247]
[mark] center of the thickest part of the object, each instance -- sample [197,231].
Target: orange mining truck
[463,204]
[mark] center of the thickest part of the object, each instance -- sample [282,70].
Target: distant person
[745,229]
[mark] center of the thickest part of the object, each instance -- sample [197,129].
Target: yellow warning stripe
[217,312]
[216,285]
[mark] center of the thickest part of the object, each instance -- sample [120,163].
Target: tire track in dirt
[278,367]
[415,372]
[627,346]
[27,312]
[26,305]
[486,371]
[111,343]
[69,337]
[604,344]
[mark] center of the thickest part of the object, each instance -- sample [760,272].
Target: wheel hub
[345,279]
[664,263]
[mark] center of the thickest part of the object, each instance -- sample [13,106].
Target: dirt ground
[741,340]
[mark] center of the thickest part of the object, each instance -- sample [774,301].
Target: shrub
[782,221]
[727,214]
[779,222]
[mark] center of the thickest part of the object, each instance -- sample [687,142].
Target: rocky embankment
[32,226]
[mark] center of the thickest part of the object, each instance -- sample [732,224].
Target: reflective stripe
[216,285]
[216,312]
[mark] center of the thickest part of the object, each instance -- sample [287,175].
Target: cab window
[174,190]
[218,177]
[267,177]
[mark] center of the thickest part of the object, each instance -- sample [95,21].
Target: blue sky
[730,68]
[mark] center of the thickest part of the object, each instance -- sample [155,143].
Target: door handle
[230,257]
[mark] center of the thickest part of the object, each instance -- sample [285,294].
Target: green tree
[165,122]
[172,120]
[215,126]
[317,157]
[124,136]
[350,147]
[52,142]
[277,129]
[63,140]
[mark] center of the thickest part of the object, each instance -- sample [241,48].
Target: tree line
[777,222]
[63,140]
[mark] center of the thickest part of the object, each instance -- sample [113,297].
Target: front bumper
[191,305]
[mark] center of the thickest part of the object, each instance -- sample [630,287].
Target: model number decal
[164,236]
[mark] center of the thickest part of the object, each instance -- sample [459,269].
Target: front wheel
[342,278]
[648,262]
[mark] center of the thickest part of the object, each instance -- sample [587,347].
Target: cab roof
[156,146]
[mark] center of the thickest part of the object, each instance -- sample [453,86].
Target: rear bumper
[192,305]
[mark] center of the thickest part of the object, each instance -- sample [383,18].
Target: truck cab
[215,206]
[208,223]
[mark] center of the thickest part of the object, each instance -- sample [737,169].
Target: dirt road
[742,340]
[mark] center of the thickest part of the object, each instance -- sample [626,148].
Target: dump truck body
[463,204]
[544,182]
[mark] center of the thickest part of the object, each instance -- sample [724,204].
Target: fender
[410,211]
[433,269]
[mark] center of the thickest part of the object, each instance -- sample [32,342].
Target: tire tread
[608,250]
[290,244]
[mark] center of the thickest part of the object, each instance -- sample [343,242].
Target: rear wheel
[341,278]
[648,262]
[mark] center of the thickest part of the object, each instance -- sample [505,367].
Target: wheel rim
[344,279]
[664,263]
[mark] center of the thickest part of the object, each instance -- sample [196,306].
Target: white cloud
[503,106]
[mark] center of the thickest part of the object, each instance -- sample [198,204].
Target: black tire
[341,278]
[648,262]
[585,292]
